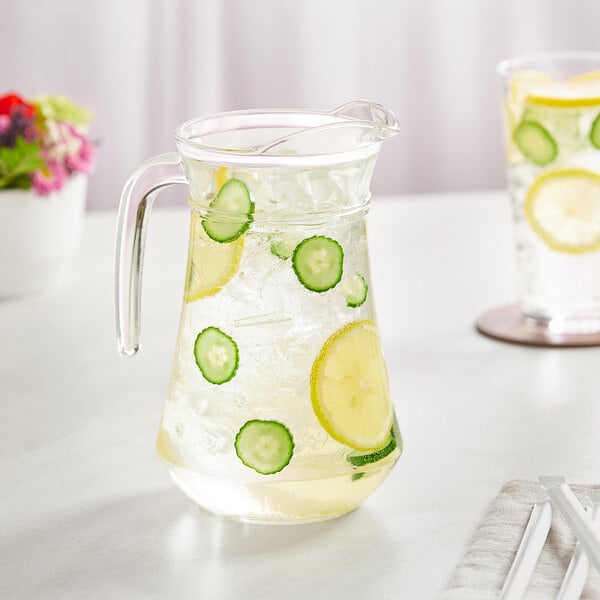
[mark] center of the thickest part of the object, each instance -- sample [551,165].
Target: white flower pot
[39,236]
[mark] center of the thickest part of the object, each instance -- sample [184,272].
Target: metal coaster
[507,324]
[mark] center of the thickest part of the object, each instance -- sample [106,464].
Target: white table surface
[87,510]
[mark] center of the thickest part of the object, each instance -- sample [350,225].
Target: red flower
[11,101]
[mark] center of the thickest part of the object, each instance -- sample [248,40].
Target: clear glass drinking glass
[552,122]
[278,408]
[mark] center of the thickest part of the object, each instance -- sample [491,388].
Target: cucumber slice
[359,459]
[216,355]
[318,263]
[595,132]
[265,446]
[535,142]
[398,437]
[229,213]
[283,249]
[356,290]
[561,123]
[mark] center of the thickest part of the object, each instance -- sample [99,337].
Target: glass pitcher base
[281,502]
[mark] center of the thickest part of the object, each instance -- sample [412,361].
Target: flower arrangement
[43,142]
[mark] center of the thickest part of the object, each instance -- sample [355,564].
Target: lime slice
[265,446]
[563,208]
[211,264]
[349,388]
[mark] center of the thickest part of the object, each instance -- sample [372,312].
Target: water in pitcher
[279,406]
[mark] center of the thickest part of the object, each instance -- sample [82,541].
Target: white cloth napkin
[481,573]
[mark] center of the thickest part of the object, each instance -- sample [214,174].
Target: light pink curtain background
[146,65]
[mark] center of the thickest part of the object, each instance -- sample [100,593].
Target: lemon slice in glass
[522,83]
[565,101]
[211,264]
[535,88]
[349,388]
[566,94]
[221,176]
[563,208]
[589,77]
[167,450]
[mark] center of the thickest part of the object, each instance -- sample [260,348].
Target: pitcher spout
[348,127]
[383,121]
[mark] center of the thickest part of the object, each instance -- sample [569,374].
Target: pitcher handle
[136,202]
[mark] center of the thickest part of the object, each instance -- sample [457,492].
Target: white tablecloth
[88,511]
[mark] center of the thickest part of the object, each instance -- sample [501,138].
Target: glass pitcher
[278,408]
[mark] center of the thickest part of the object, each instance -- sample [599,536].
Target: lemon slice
[221,176]
[211,264]
[534,88]
[522,83]
[566,94]
[565,101]
[167,450]
[537,89]
[589,77]
[563,208]
[349,388]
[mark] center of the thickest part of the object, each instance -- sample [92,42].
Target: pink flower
[80,152]
[50,179]
[39,151]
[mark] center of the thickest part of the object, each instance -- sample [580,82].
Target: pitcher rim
[212,154]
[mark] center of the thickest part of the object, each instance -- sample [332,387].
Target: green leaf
[21,183]
[18,162]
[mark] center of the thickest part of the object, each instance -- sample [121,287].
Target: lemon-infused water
[278,408]
[553,156]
